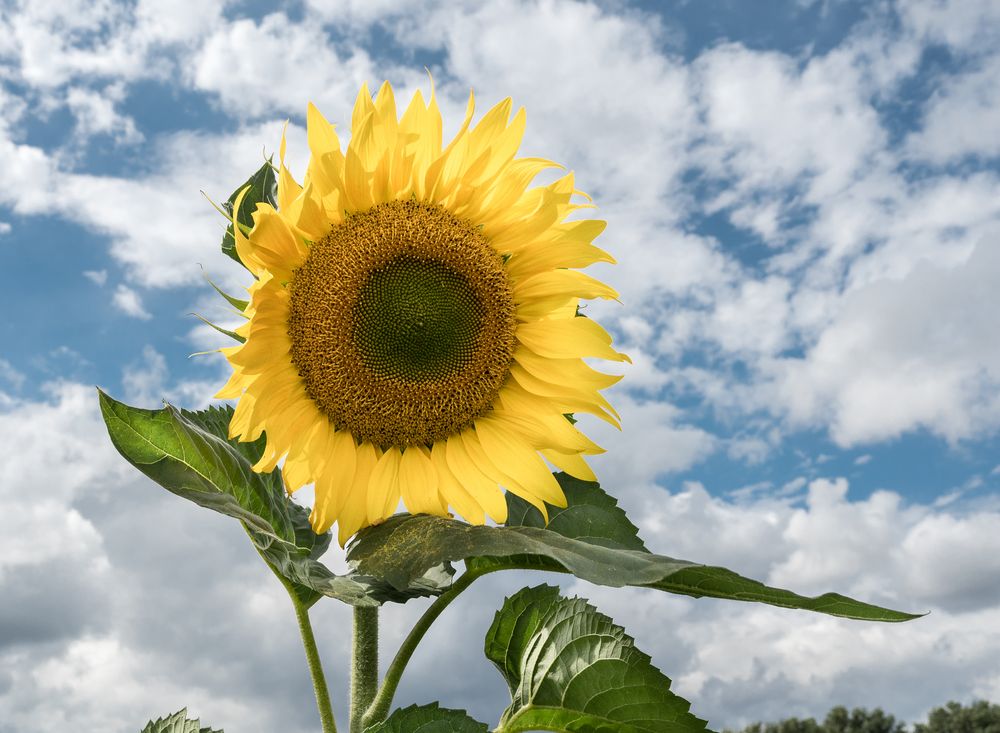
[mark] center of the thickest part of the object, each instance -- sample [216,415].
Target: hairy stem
[364,665]
[301,607]
[315,667]
[379,709]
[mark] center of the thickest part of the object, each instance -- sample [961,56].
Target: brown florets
[402,324]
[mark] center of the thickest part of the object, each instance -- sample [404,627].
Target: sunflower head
[413,332]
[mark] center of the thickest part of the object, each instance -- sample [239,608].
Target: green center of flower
[402,324]
[418,320]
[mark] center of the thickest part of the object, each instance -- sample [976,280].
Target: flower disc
[402,324]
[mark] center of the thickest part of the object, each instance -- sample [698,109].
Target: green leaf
[215,420]
[183,452]
[592,540]
[571,669]
[263,189]
[428,719]
[592,516]
[177,723]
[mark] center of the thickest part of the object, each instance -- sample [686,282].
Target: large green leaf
[571,669]
[263,189]
[184,453]
[592,540]
[592,515]
[215,420]
[177,723]
[428,719]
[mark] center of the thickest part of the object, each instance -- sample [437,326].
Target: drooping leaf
[428,719]
[184,453]
[215,420]
[592,540]
[263,189]
[570,669]
[177,723]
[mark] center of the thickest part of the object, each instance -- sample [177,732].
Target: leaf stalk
[379,709]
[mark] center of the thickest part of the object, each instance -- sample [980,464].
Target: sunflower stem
[364,665]
[320,690]
[379,709]
[315,667]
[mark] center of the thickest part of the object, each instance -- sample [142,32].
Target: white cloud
[655,440]
[129,302]
[960,116]
[55,43]
[159,225]
[772,125]
[98,277]
[5,228]
[903,354]
[283,66]
[11,375]
[95,113]
[965,25]
[147,382]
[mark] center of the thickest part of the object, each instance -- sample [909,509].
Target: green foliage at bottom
[979,717]
[428,719]
[177,723]
[572,669]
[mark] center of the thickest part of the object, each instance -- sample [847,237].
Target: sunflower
[413,331]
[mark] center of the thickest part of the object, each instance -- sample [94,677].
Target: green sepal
[263,188]
[186,453]
[240,305]
[177,723]
[231,334]
[591,539]
[428,719]
[571,669]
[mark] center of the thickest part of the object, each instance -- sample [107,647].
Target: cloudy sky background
[804,199]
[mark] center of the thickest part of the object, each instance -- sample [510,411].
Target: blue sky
[804,200]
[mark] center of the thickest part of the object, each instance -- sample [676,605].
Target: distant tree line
[979,717]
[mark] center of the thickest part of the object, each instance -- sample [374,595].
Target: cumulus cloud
[959,116]
[911,352]
[129,302]
[292,63]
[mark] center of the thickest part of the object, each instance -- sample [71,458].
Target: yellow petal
[451,490]
[288,188]
[354,514]
[320,134]
[562,283]
[490,467]
[383,486]
[301,465]
[519,460]
[571,463]
[569,338]
[334,485]
[483,489]
[418,482]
